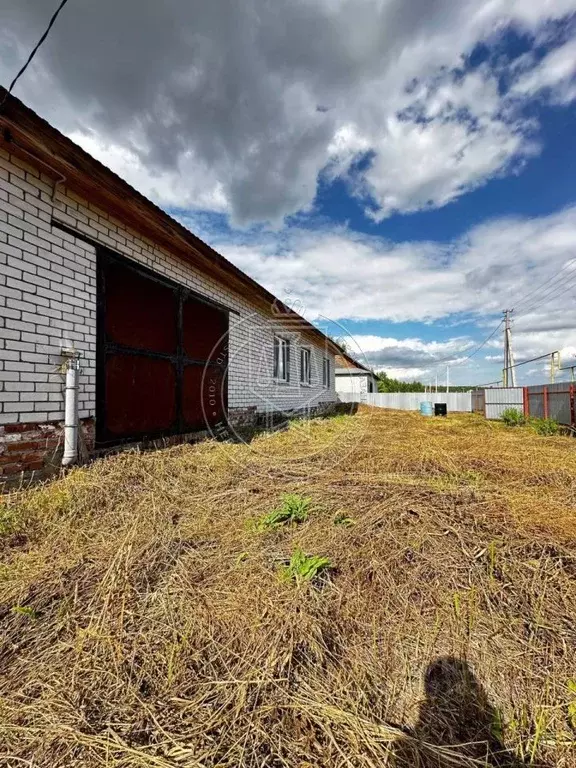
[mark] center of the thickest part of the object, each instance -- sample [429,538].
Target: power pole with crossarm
[509,372]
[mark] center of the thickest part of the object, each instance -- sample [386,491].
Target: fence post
[545,393]
[571,405]
[526,402]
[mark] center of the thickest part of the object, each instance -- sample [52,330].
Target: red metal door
[161,355]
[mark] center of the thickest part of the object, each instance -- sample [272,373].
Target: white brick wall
[48,301]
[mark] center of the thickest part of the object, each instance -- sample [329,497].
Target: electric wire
[476,350]
[549,297]
[33,52]
[544,284]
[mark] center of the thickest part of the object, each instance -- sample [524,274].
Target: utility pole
[555,366]
[509,372]
[436,390]
[447,378]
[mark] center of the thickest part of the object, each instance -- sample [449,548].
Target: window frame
[281,343]
[305,352]
[326,372]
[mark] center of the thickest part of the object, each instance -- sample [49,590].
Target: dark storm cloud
[249,97]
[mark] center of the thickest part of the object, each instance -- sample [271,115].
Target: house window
[305,374]
[281,359]
[326,372]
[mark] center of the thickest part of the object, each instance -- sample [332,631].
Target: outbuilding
[157,335]
[354,378]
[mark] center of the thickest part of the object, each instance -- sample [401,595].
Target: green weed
[8,521]
[304,568]
[492,558]
[293,509]
[572,704]
[544,427]
[343,518]
[24,610]
[513,417]
[497,725]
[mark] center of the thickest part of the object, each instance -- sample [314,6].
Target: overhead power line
[34,51]
[474,352]
[551,296]
[534,359]
[544,284]
[483,344]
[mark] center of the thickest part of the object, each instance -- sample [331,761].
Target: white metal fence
[556,401]
[410,401]
[498,399]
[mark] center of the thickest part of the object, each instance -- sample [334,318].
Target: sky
[398,171]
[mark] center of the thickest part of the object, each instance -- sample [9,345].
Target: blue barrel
[426,408]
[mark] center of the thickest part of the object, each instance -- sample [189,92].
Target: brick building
[169,337]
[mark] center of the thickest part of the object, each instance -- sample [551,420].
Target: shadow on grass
[457,715]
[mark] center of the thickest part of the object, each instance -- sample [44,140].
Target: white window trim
[281,342]
[306,351]
[326,372]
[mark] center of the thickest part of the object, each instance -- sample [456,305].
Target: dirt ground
[411,602]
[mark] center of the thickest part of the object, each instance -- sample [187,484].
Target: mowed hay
[146,617]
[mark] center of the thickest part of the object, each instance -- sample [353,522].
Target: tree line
[388,384]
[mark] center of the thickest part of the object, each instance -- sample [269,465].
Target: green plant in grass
[304,568]
[544,427]
[343,518]
[24,610]
[572,704]
[513,417]
[8,521]
[293,509]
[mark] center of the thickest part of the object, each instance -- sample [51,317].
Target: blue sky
[400,171]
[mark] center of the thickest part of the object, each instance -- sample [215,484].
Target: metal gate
[161,355]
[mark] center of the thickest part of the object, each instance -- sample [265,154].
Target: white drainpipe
[71,407]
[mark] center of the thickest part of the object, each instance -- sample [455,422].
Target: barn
[119,326]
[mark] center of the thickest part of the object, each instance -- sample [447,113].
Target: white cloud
[243,106]
[340,274]
[555,75]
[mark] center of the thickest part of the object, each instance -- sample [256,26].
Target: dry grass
[145,623]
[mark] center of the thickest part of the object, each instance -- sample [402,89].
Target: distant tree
[388,384]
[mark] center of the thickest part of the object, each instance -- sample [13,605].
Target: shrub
[513,417]
[292,510]
[545,427]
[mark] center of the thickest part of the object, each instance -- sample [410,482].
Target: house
[115,315]
[353,378]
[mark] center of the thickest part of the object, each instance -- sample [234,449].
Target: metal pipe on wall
[70,456]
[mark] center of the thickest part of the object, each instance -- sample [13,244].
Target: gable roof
[344,360]
[25,134]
